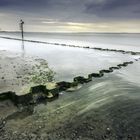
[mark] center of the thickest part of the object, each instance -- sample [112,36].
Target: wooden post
[21,28]
[22,35]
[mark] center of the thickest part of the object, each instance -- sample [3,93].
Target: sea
[70,62]
[116,95]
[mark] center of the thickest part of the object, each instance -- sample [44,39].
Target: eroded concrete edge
[40,93]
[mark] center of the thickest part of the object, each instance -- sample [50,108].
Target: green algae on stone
[41,73]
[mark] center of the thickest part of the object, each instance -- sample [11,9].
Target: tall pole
[21,28]
[22,34]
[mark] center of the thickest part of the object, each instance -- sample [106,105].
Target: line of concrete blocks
[76,46]
[40,94]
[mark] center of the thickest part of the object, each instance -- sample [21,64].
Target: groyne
[39,94]
[75,46]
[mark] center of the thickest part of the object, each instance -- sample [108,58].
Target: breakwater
[75,46]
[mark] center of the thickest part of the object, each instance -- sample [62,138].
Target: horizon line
[73,32]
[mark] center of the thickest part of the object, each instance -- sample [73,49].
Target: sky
[71,15]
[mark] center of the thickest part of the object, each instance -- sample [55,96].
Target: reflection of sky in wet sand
[111,40]
[69,62]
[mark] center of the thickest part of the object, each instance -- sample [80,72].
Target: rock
[2,124]
[108,130]
[115,68]
[133,53]
[19,77]
[53,94]
[80,80]
[38,89]
[105,71]
[63,85]
[37,94]
[95,75]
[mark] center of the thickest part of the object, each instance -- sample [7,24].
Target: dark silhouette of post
[22,34]
[21,28]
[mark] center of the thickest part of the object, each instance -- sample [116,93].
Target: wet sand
[17,71]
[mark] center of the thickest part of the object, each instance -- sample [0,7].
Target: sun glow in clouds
[51,25]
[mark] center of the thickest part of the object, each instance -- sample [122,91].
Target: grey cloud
[118,8]
[36,11]
[35,3]
[22,2]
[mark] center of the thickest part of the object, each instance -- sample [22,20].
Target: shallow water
[108,102]
[104,40]
[70,62]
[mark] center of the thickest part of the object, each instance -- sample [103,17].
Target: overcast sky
[71,15]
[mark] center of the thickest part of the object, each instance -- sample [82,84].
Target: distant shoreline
[71,32]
